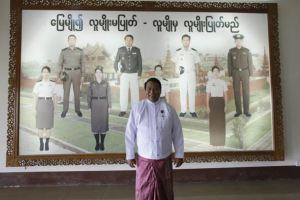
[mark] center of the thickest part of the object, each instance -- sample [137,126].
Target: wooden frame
[15,158]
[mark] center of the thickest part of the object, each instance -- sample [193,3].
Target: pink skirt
[154,179]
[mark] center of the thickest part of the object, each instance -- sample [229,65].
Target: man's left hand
[178,162]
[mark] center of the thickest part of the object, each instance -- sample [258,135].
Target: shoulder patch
[178,49]
[193,49]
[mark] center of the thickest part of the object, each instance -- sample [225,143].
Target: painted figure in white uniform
[187,60]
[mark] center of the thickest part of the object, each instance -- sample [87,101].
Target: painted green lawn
[77,132]
[252,133]
[74,132]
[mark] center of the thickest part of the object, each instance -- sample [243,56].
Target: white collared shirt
[154,127]
[187,59]
[216,87]
[44,88]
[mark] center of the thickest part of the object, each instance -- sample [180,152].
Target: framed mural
[56,48]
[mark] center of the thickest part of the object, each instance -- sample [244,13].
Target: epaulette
[39,80]
[178,49]
[52,80]
[79,48]
[64,49]
[165,79]
[193,49]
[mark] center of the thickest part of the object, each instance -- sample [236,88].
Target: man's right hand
[131,163]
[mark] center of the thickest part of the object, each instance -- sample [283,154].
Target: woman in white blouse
[44,100]
[216,90]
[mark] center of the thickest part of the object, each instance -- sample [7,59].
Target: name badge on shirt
[133,52]
[162,113]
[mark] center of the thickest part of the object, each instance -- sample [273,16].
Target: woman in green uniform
[99,101]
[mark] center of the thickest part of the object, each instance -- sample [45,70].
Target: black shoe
[194,115]
[47,144]
[102,142]
[63,114]
[122,113]
[41,144]
[97,147]
[182,114]
[237,114]
[102,146]
[247,114]
[79,113]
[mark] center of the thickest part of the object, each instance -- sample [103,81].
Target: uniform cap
[98,67]
[238,36]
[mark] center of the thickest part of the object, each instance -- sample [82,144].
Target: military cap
[99,67]
[238,36]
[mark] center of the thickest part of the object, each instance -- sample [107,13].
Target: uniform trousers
[74,76]
[241,77]
[128,80]
[187,84]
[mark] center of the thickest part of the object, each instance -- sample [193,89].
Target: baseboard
[27,179]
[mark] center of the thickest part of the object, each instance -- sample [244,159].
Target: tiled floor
[227,190]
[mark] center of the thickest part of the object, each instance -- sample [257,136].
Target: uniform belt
[72,68]
[241,69]
[46,98]
[98,97]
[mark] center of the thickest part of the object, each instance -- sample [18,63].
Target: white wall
[289,32]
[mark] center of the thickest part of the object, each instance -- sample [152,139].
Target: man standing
[128,62]
[186,60]
[240,68]
[154,125]
[71,61]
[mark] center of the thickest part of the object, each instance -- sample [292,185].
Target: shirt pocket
[164,123]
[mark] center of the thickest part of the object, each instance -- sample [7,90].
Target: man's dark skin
[152,94]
